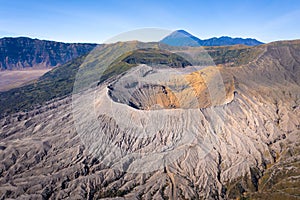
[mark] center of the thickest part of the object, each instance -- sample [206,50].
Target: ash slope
[256,155]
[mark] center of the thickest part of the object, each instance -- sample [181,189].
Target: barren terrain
[253,132]
[13,79]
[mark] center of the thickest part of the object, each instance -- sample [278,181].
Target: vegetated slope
[183,38]
[143,56]
[256,154]
[22,52]
[55,83]
[234,55]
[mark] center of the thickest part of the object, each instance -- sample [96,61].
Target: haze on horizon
[96,21]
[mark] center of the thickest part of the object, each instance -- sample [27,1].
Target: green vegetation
[56,83]
[279,181]
[143,56]
[236,55]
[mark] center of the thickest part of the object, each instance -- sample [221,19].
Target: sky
[96,21]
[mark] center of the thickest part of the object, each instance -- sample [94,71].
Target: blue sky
[97,21]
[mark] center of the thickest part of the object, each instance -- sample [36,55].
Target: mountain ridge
[24,52]
[184,38]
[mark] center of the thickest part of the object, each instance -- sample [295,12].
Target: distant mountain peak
[182,32]
[184,38]
[181,38]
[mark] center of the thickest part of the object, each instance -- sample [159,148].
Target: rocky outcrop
[22,52]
